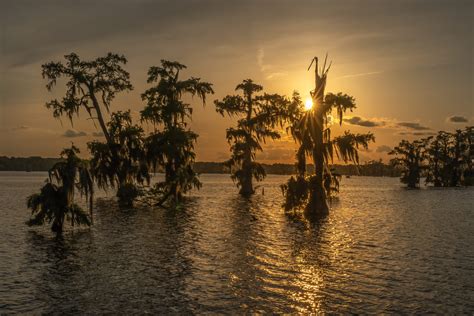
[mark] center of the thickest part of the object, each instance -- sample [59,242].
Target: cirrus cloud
[428,133]
[457,119]
[97,134]
[357,120]
[71,133]
[413,125]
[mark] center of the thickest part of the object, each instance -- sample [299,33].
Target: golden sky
[409,64]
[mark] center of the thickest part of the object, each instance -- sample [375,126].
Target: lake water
[382,249]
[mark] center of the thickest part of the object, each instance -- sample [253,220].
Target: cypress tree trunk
[246,183]
[100,118]
[317,205]
[125,193]
[57,226]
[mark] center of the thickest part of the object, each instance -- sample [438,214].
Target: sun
[308,104]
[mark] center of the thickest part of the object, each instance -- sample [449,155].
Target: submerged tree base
[246,192]
[316,210]
[127,194]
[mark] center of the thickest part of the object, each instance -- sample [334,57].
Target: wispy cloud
[28,129]
[411,133]
[457,119]
[404,128]
[260,59]
[357,120]
[413,125]
[97,134]
[276,153]
[362,74]
[265,68]
[275,75]
[70,133]
[22,127]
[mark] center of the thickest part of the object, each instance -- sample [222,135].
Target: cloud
[424,133]
[260,57]
[363,74]
[457,119]
[417,133]
[383,148]
[413,125]
[273,153]
[275,75]
[357,120]
[29,130]
[22,127]
[266,68]
[70,133]
[97,134]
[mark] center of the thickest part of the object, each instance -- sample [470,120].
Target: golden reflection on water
[224,254]
[315,256]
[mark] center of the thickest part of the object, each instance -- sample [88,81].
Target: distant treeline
[371,168]
[445,160]
[27,163]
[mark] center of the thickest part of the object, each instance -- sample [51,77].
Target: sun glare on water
[308,104]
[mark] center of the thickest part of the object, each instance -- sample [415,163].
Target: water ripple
[383,249]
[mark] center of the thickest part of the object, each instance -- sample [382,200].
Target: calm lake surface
[382,249]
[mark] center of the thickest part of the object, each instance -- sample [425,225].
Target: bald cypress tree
[258,115]
[91,86]
[410,156]
[171,144]
[311,129]
[55,202]
[122,164]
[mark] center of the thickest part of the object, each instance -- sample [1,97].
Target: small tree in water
[55,202]
[311,129]
[410,156]
[123,163]
[171,144]
[258,114]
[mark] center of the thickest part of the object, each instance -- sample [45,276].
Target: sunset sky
[409,64]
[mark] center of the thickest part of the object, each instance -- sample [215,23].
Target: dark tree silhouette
[91,86]
[121,164]
[458,161]
[258,116]
[171,144]
[312,131]
[55,202]
[449,157]
[435,157]
[468,175]
[410,156]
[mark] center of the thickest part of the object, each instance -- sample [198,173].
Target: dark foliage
[311,129]
[258,116]
[171,144]
[121,164]
[55,202]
